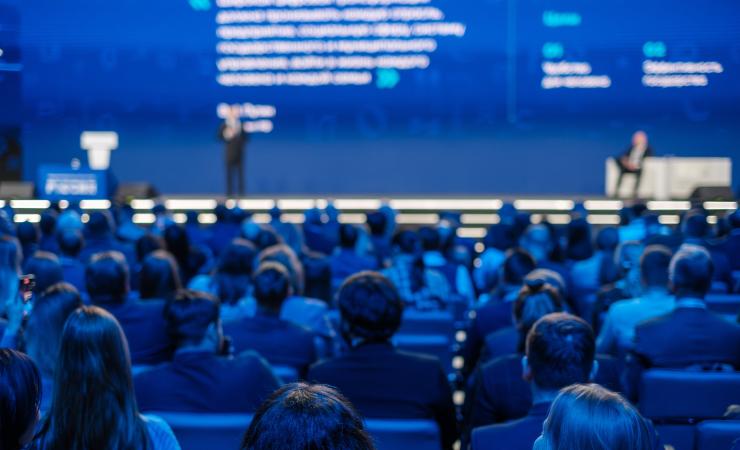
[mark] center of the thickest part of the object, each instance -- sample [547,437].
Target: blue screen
[376,96]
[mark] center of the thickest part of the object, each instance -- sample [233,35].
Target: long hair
[159,276]
[231,279]
[20,398]
[10,268]
[302,416]
[93,406]
[590,417]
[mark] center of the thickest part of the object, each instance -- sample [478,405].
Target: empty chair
[676,400]
[718,434]
[430,332]
[395,434]
[724,303]
[198,431]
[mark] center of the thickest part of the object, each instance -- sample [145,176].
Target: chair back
[207,431]
[404,434]
[718,434]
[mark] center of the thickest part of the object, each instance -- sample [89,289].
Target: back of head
[285,255]
[550,277]
[271,286]
[48,222]
[370,306]
[99,224]
[147,244]
[695,225]
[579,239]
[377,223]
[536,300]
[46,268]
[430,239]
[302,416]
[517,265]
[560,351]
[106,278]
[407,242]
[590,417]
[348,235]
[233,270]
[607,239]
[93,404]
[27,232]
[43,332]
[178,243]
[70,242]
[159,276]
[20,398]
[654,265]
[189,316]
[691,271]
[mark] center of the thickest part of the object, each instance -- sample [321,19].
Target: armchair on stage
[670,177]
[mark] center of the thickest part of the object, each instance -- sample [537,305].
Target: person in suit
[281,342]
[380,380]
[235,139]
[200,378]
[631,160]
[560,352]
[142,321]
[690,336]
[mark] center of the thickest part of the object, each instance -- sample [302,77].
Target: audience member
[159,277]
[346,261]
[281,342]
[199,378]
[28,236]
[456,274]
[560,351]
[70,243]
[618,332]
[47,228]
[302,416]
[93,404]
[45,267]
[690,335]
[190,259]
[142,321]
[590,417]
[99,237]
[42,334]
[380,380]
[20,397]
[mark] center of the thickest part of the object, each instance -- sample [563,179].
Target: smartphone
[26,283]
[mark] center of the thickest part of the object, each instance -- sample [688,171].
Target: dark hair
[70,242]
[695,224]
[100,223]
[560,351]
[45,266]
[377,223]
[535,300]
[20,398]
[285,255]
[302,416]
[370,307]
[189,315]
[271,285]
[550,277]
[517,265]
[93,404]
[27,232]
[159,276]
[348,235]
[654,265]
[178,244]
[590,417]
[106,277]
[579,240]
[407,242]
[266,237]
[691,271]
[607,238]
[233,270]
[317,276]
[43,331]
[147,244]
[430,239]
[48,221]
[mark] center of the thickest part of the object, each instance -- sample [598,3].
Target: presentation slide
[375,96]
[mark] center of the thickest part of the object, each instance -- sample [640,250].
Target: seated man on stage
[631,161]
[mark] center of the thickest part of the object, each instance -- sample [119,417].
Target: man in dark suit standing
[380,380]
[631,160]
[690,336]
[560,352]
[199,379]
[235,139]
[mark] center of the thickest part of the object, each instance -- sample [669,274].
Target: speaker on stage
[711,193]
[127,191]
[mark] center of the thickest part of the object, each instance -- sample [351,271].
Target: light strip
[180,217]
[94,204]
[447,204]
[296,204]
[352,218]
[207,218]
[142,203]
[712,220]
[479,219]
[417,219]
[668,205]
[603,205]
[2,203]
[292,218]
[714,206]
[261,218]
[544,205]
[144,218]
[33,218]
[256,204]
[357,203]
[558,219]
[472,233]
[191,204]
[604,219]
[669,219]
[29,204]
